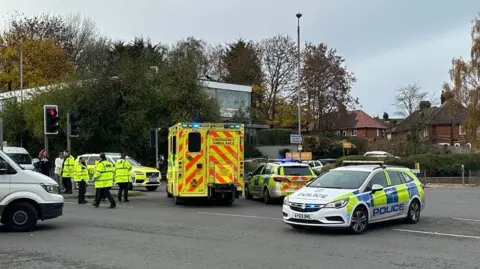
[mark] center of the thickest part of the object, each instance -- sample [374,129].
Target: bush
[327,167]
[274,137]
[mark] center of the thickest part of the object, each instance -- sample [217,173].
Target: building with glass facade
[231,98]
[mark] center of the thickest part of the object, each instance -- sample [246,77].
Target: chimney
[424,104]
[442,98]
[385,116]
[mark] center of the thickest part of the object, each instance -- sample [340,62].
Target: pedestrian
[67,171]
[81,177]
[58,166]
[103,177]
[44,163]
[122,175]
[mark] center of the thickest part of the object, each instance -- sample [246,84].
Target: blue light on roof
[184,125]
[237,126]
[284,160]
[196,125]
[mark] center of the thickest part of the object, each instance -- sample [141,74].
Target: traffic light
[50,119]
[74,126]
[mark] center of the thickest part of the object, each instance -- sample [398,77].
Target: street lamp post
[299,15]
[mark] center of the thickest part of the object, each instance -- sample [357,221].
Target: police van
[355,196]
[26,196]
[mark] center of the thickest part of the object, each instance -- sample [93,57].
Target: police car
[355,196]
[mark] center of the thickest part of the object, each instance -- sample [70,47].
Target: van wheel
[20,217]
[178,200]
[266,196]
[248,195]
[152,188]
[413,215]
[169,195]
[359,221]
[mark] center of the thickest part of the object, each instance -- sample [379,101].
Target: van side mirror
[35,160]
[3,167]
[161,158]
[376,187]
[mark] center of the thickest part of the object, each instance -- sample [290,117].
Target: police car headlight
[50,188]
[138,173]
[286,200]
[338,204]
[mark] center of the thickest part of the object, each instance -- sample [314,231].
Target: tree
[192,51]
[326,85]
[408,98]
[279,61]
[44,63]
[242,63]
[465,82]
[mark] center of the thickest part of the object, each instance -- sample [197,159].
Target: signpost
[306,156]
[346,145]
[297,139]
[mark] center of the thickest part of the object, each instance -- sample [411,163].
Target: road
[151,232]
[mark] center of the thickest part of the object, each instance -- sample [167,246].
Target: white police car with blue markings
[354,196]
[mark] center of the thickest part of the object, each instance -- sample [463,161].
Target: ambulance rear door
[193,166]
[223,156]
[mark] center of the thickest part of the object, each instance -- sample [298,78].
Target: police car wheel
[266,196]
[359,221]
[248,195]
[20,217]
[413,215]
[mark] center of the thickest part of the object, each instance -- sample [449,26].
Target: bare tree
[408,99]
[213,67]
[279,62]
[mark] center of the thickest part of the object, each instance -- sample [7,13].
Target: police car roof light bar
[364,162]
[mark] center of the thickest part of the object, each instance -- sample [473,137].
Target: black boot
[112,206]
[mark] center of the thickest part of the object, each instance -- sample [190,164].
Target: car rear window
[297,171]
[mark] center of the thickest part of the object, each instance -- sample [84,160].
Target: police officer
[81,177]
[103,177]
[67,171]
[122,175]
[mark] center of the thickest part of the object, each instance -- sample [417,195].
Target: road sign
[300,147]
[296,139]
[306,156]
[347,145]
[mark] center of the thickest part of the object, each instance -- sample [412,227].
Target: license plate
[302,216]
[296,183]
[153,179]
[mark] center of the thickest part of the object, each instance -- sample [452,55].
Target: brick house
[435,124]
[389,123]
[358,123]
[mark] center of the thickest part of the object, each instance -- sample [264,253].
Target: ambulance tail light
[281,179]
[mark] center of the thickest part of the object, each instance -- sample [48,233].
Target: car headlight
[50,188]
[286,200]
[337,204]
[138,173]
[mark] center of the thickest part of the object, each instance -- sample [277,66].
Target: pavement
[151,232]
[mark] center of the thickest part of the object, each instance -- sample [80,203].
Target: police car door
[378,200]
[254,180]
[397,194]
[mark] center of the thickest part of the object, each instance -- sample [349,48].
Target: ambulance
[205,160]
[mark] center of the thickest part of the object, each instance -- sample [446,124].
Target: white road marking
[437,233]
[241,216]
[475,220]
[101,205]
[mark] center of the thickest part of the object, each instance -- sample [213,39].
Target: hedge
[436,165]
[274,137]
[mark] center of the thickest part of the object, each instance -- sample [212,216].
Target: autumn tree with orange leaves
[465,82]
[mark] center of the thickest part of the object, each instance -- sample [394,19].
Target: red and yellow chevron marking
[199,182]
[219,178]
[290,185]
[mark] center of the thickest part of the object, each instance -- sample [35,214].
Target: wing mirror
[161,158]
[3,167]
[376,187]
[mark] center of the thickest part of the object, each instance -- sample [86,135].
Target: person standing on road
[81,177]
[43,163]
[58,166]
[103,177]
[122,175]
[67,171]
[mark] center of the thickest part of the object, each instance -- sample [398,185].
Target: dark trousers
[82,188]
[67,184]
[123,187]
[104,192]
[99,192]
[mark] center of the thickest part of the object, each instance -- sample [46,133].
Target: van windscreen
[21,158]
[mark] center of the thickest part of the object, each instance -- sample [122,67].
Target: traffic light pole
[46,142]
[69,142]
[156,147]
[1,134]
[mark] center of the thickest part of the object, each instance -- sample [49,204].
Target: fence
[468,178]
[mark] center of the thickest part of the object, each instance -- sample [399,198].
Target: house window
[378,132]
[344,133]
[354,132]
[461,130]
[338,133]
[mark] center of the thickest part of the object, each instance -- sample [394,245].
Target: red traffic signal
[52,112]
[51,119]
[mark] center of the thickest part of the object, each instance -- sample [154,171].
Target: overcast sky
[387,43]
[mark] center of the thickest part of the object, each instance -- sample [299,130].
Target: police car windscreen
[337,179]
[296,171]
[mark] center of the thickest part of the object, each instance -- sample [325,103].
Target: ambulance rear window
[297,171]
[194,142]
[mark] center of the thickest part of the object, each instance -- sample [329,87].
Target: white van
[20,156]
[26,196]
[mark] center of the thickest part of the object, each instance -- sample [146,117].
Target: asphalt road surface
[151,232]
